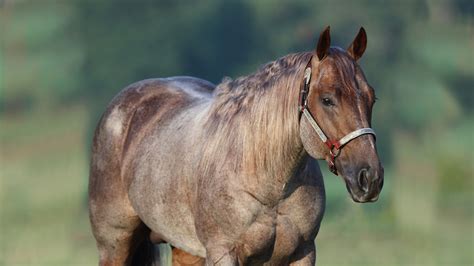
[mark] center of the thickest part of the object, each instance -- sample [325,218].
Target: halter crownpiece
[334,145]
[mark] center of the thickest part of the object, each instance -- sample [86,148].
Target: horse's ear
[357,48]
[324,43]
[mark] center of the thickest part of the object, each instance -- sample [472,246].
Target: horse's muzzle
[366,185]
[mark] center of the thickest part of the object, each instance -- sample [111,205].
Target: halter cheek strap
[334,145]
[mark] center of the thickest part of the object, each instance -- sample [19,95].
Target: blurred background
[62,61]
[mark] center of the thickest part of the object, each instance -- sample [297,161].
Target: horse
[229,173]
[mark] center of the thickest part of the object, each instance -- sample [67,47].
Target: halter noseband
[334,145]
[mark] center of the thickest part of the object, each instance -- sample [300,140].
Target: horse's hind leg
[118,232]
[117,228]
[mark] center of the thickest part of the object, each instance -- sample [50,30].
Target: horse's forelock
[346,68]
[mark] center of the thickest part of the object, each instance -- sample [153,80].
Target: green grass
[43,190]
[43,170]
[376,234]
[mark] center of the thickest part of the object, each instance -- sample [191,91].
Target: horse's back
[143,102]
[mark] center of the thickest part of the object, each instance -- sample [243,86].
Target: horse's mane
[231,96]
[254,116]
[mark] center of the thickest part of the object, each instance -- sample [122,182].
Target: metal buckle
[334,154]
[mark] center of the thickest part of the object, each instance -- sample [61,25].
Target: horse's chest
[296,223]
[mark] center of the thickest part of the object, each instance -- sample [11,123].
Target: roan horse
[228,173]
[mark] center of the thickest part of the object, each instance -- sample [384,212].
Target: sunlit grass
[374,234]
[44,177]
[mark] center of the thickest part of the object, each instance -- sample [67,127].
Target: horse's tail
[146,254]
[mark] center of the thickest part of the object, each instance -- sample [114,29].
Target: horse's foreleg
[225,260]
[304,255]
[222,256]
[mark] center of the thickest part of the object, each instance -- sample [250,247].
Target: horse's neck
[253,130]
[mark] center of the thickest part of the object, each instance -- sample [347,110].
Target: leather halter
[335,146]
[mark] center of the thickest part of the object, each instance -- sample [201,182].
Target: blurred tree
[41,55]
[126,42]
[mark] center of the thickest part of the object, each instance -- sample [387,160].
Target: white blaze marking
[114,122]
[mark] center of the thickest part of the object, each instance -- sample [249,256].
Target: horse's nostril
[364,180]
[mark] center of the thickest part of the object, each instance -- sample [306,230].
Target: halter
[334,145]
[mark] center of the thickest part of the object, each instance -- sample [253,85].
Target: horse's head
[336,108]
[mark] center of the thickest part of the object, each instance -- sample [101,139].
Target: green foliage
[41,56]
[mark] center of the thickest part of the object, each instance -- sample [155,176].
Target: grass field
[43,196]
[44,217]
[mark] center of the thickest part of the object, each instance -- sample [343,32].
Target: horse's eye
[327,102]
